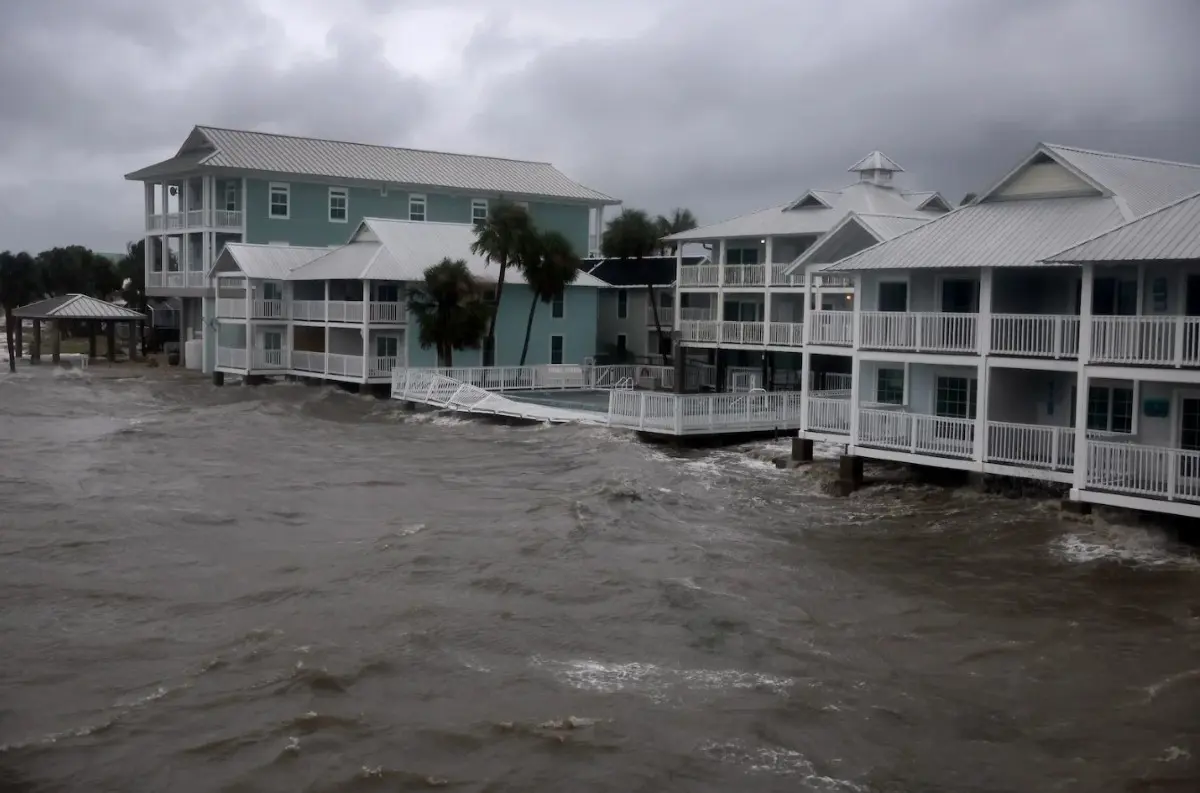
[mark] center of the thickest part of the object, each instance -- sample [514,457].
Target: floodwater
[291,588]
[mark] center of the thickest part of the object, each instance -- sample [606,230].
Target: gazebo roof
[76,307]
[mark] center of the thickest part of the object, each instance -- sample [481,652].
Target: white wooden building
[1049,330]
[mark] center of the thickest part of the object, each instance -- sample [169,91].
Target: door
[272,342]
[1114,297]
[893,296]
[960,296]
[1191,305]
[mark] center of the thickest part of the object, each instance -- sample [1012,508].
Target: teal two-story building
[234,186]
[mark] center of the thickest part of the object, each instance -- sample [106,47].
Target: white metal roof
[1142,183]
[76,306]
[1170,233]
[272,262]
[288,155]
[852,234]
[995,234]
[875,161]
[401,250]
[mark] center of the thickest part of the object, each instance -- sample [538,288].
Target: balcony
[327,364]
[697,314]
[1035,335]
[1133,469]
[703,414]
[1146,341]
[937,332]
[703,331]
[786,334]
[829,415]
[235,308]
[387,313]
[917,433]
[700,275]
[176,279]
[742,332]
[666,316]
[739,275]
[832,328]
[195,219]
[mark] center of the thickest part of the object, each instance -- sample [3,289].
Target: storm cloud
[723,106]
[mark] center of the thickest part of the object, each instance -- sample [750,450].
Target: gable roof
[652,270]
[76,307]
[401,250]
[1170,233]
[875,161]
[273,262]
[216,148]
[1025,231]
[851,235]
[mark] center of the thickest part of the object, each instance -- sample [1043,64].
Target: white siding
[1043,179]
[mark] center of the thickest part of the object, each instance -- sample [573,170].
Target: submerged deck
[598,395]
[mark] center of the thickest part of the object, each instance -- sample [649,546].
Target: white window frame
[563,339]
[415,199]
[477,203]
[559,300]
[344,194]
[625,294]
[286,189]
[231,191]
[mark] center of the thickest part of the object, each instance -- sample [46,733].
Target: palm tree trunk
[496,311]
[657,324]
[529,327]
[8,337]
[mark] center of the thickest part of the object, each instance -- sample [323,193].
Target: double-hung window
[479,211]
[416,207]
[557,307]
[281,204]
[889,387]
[1110,409]
[339,205]
[231,189]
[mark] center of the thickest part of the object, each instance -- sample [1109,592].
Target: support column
[855,379]
[983,340]
[366,329]
[110,337]
[35,353]
[92,339]
[1079,477]
[805,386]
[767,275]
[326,315]
[249,325]
[55,341]
[133,341]
[722,260]
[166,248]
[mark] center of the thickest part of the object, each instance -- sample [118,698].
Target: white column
[366,327]
[599,227]
[807,315]
[770,256]
[855,387]
[678,279]
[1079,480]
[290,340]
[326,326]
[722,259]
[148,238]
[249,326]
[856,310]
[983,340]
[805,377]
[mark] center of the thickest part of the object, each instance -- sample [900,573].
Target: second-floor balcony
[756,334]
[350,312]
[176,279]
[195,219]
[753,276]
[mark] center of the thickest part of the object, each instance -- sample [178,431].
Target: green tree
[449,308]
[19,285]
[131,272]
[549,265]
[77,270]
[680,220]
[631,235]
[499,239]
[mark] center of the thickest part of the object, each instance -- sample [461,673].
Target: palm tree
[18,286]
[498,239]
[131,272]
[632,235]
[550,265]
[680,220]
[449,308]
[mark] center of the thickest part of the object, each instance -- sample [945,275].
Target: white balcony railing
[704,331]
[381,366]
[231,357]
[745,275]
[194,219]
[1031,445]
[786,334]
[306,361]
[683,414]
[700,275]
[742,332]
[779,276]
[345,311]
[231,307]
[267,309]
[271,359]
[916,433]
[226,219]
[666,316]
[1147,471]
[1035,335]
[829,415]
[832,328]
[308,310]
[919,332]
[1161,341]
[387,313]
[697,314]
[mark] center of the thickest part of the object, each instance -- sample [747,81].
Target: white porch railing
[666,316]
[834,281]
[779,276]
[832,328]
[1162,341]
[740,379]
[697,314]
[829,381]
[1031,446]
[231,357]
[227,219]
[918,332]
[345,365]
[742,332]
[267,309]
[1036,335]
[684,414]
[745,275]
[1147,471]
[345,311]
[707,331]
[271,359]
[916,433]
[306,361]
[176,279]
[829,415]
[787,334]
[387,312]
[194,218]
[231,307]
[308,310]
[700,275]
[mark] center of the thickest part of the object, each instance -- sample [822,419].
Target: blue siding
[308,222]
[577,327]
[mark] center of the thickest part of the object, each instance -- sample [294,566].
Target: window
[557,307]
[479,211]
[387,347]
[1114,296]
[416,207]
[231,196]
[272,290]
[339,204]
[489,351]
[622,303]
[1110,409]
[893,296]
[556,349]
[280,201]
[622,344]
[387,293]
[889,387]
[955,397]
[741,256]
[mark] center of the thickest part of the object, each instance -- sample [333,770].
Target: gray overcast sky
[723,106]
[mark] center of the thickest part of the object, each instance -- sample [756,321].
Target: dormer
[876,168]
[1043,175]
[810,200]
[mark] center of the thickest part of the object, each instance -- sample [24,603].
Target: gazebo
[79,308]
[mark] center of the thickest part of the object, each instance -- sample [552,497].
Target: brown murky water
[295,589]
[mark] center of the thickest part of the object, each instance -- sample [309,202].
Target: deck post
[110,338]
[802,450]
[850,473]
[133,342]
[91,339]
[35,350]
[680,364]
[55,341]
[1079,478]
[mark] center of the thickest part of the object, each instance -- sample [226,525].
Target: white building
[1049,330]
[744,311]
